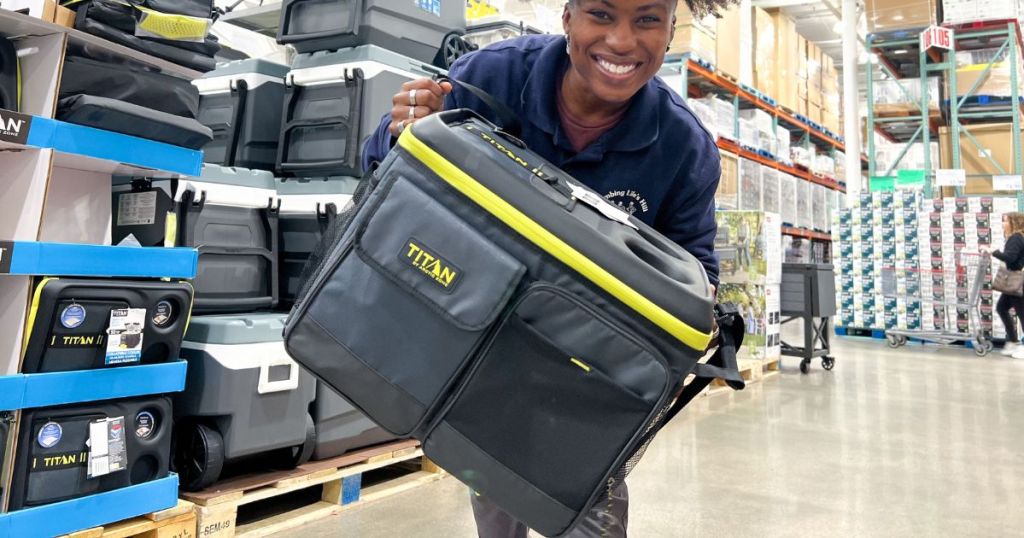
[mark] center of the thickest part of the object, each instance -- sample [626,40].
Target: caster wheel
[981,349]
[805,366]
[294,456]
[828,363]
[452,48]
[892,341]
[901,340]
[198,455]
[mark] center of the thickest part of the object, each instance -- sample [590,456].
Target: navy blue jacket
[658,163]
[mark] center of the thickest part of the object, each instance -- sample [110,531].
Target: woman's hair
[1016,221]
[699,8]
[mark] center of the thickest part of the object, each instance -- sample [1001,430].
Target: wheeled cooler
[228,214]
[72,323]
[333,102]
[52,459]
[530,334]
[484,33]
[340,427]
[243,396]
[419,29]
[308,207]
[241,103]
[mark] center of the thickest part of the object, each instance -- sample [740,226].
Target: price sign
[950,178]
[938,37]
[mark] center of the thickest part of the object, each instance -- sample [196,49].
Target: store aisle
[920,441]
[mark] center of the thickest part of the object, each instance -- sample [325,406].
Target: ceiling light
[897,17]
[900,51]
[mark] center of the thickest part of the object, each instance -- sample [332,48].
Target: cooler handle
[355,18]
[266,386]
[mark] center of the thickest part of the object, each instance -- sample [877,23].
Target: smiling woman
[590,103]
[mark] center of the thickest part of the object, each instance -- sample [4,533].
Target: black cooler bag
[530,334]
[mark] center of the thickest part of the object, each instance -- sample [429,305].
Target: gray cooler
[333,102]
[243,396]
[416,28]
[241,103]
[340,427]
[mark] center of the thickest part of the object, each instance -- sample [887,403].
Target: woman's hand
[418,99]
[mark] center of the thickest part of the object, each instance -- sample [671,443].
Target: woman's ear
[566,15]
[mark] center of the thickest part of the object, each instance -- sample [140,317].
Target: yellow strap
[172,26]
[32,313]
[551,243]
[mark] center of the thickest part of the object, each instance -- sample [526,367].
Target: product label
[53,462]
[107,452]
[124,335]
[136,208]
[76,340]
[14,127]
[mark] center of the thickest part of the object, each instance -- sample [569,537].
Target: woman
[589,103]
[1013,256]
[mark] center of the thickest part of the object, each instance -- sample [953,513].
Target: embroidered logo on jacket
[629,201]
[439,270]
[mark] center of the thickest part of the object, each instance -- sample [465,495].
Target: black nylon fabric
[8,75]
[123,17]
[150,89]
[134,120]
[200,61]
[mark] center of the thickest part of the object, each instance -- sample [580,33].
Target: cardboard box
[685,17]
[994,139]
[727,196]
[693,39]
[787,62]
[995,82]
[889,15]
[728,38]
[764,52]
[47,10]
[814,112]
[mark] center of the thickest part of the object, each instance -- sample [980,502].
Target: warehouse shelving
[69,259]
[900,57]
[700,78]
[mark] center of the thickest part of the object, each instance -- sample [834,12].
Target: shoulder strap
[507,120]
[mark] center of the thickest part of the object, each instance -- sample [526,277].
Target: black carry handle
[241,95]
[508,122]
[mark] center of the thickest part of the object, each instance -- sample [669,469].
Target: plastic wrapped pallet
[749,136]
[788,198]
[804,199]
[824,165]
[705,114]
[782,143]
[750,185]
[903,95]
[771,190]
[725,116]
[819,207]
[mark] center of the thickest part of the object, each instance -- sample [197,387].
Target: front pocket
[406,307]
[556,399]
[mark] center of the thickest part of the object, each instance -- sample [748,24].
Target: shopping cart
[971,271]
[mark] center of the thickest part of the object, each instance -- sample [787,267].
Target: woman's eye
[600,15]
[649,20]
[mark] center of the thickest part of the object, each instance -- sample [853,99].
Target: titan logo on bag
[77,340]
[438,269]
[14,126]
[58,461]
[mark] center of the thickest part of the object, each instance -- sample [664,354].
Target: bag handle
[508,122]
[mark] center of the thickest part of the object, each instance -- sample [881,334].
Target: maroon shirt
[580,134]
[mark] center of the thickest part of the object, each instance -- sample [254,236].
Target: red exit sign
[938,37]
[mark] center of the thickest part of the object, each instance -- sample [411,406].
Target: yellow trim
[191,303]
[32,313]
[579,363]
[551,243]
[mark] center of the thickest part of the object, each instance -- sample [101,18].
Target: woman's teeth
[615,68]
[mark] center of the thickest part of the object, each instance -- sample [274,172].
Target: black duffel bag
[83,75]
[532,336]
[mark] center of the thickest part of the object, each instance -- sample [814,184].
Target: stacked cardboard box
[727,195]
[904,261]
[803,75]
[996,145]
[751,185]
[789,194]
[814,67]
[960,11]
[694,36]
[771,190]
[787,62]
[729,42]
[973,68]
[749,245]
[890,15]
[765,69]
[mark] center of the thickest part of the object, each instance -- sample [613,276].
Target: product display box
[749,247]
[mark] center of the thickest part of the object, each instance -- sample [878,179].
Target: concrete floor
[914,442]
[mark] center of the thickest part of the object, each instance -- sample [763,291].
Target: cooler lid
[236,328]
[370,58]
[242,177]
[330,185]
[249,66]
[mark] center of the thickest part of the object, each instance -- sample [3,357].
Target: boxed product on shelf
[824,165]
[727,195]
[840,165]
[782,144]
[749,244]
[765,68]
[724,115]
[760,307]
[694,39]
[960,11]
[798,250]
[762,120]
[47,10]
[788,196]
[819,208]
[749,134]
[804,199]
[705,114]
[903,95]
[730,41]
[750,185]
[803,156]
[487,31]
[996,144]
[545,15]
[889,15]
[771,190]
[992,80]
[786,58]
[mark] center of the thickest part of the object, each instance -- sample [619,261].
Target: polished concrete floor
[919,441]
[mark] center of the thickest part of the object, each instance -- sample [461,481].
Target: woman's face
[618,45]
[1006,227]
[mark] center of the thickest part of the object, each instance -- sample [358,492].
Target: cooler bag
[241,103]
[308,207]
[81,324]
[420,30]
[243,396]
[10,76]
[53,457]
[228,214]
[531,335]
[334,101]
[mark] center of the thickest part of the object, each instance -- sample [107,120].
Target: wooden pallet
[177,522]
[750,370]
[340,479]
[770,367]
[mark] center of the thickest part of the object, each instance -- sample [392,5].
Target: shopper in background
[589,102]
[1012,255]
